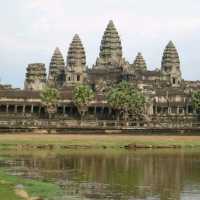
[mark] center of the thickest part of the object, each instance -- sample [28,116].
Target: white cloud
[32,28]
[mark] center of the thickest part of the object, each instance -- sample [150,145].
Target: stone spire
[171,64]
[35,77]
[111,48]
[76,61]
[76,53]
[139,63]
[56,69]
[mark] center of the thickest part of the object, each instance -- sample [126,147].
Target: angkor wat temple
[169,96]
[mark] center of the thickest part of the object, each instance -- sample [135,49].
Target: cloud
[31,29]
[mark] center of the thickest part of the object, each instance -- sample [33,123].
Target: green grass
[33,187]
[10,141]
[7,192]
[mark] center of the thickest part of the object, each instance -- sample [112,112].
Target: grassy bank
[95,141]
[33,188]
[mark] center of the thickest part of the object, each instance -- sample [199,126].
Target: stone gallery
[169,96]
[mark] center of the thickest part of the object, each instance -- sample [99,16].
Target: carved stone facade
[169,96]
[110,49]
[139,63]
[171,65]
[110,63]
[56,70]
[35,77]
[76,62]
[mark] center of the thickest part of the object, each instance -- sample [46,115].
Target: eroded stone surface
[76,62]
[56,69]
[35,77]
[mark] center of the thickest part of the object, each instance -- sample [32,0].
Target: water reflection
[149,175]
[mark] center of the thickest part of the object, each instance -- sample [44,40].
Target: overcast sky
[31,29]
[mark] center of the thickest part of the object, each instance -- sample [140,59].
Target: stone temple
[169,95]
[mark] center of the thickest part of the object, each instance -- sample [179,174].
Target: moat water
[111,174]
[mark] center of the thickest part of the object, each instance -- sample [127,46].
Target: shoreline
[96,141]
[100,130]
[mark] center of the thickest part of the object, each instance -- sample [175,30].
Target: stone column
[161,110]
[169,110]
[32,106]
[95,110]
[24,109]
[64,107]
[109,110]
[70,111]
[15,111]
[7,108]
[102,112]
[156,110]
[183,109]
[177,111]
[187,109]
[39,110]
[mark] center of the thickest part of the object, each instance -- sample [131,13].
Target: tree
[49,97]
[126,100]
[196,101]
[82,96]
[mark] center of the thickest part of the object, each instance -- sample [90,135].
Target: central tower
[110,64]
[111,49]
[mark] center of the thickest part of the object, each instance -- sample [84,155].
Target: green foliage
[126,98]
[33,187]
[7,192]
[82,96]
[196,101]
[49,96]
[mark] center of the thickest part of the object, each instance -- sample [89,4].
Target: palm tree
[49,97]
[82,97]
[196,101]
[126,99]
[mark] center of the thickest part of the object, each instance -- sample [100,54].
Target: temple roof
[33,97]
[170,56]
[139,63]
[36,71]
[57,61]
[56,69]
[110,43]
[76,54]
[36,66]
